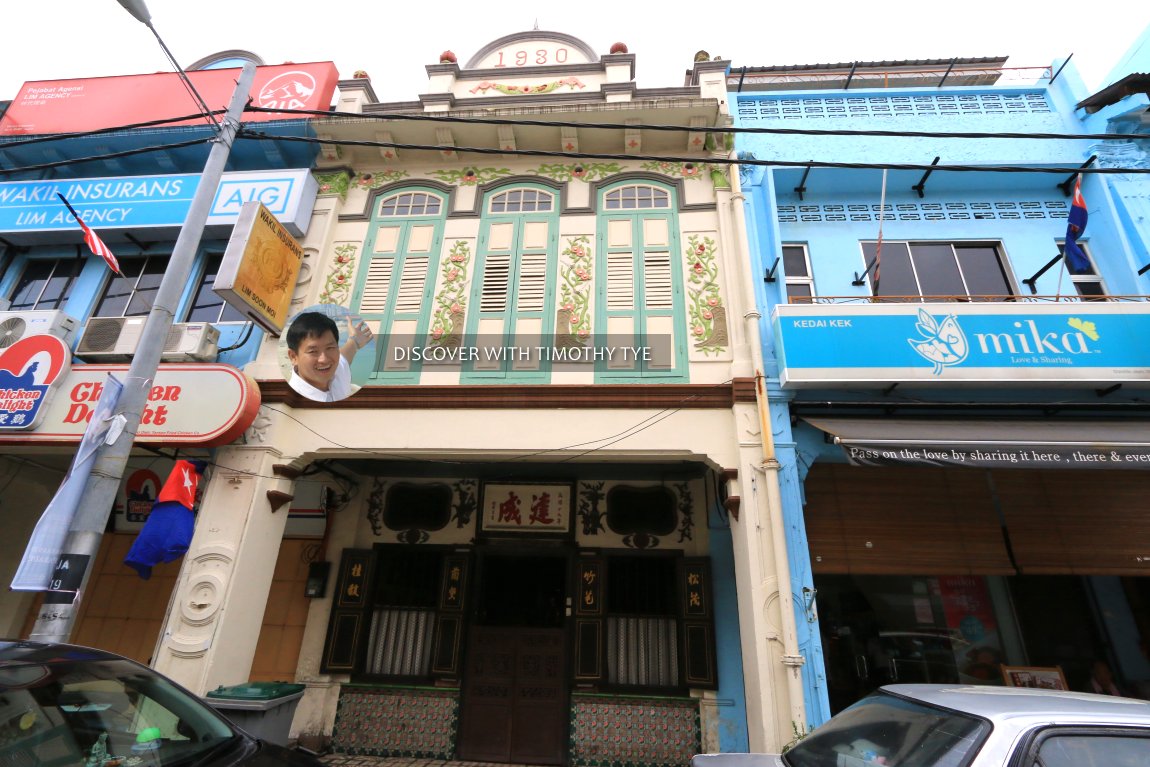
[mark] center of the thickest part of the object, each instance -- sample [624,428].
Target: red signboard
[205,404]
[68,106]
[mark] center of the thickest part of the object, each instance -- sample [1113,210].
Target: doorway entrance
[514,695]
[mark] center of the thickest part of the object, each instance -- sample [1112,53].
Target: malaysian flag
[92,240]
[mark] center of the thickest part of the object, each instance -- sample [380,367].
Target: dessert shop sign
[206,404]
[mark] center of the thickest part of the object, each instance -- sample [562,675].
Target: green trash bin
[263,709]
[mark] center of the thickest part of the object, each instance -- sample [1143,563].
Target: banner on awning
[991,444]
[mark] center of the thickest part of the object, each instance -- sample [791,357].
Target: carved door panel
[515,706]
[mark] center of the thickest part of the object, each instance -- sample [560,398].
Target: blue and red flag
[1076,259]
[168,530]
[92,240]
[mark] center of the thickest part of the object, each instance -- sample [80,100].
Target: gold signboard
[260,268]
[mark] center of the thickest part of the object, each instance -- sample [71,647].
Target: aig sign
[289,195]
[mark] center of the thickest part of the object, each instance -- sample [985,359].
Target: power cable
[732,130]
[1062,170]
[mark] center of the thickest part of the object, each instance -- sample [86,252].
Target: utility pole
[58,615]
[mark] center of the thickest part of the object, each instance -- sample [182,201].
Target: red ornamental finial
[619,48]
[447,57]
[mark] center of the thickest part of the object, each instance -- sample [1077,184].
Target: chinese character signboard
[543,508]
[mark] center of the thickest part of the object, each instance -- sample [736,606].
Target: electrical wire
[732,130]
[246,133]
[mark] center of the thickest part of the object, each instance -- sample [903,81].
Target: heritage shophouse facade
[547,506]
[960,422]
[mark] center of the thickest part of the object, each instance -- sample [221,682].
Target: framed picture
[536,508]
[1044,677]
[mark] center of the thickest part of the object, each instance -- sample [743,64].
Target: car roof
[1002,703]
[17,651]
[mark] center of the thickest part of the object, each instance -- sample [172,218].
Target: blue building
[961,422]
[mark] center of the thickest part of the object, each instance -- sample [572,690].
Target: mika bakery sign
[955,343]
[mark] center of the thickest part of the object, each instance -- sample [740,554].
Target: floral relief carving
[368,181]
[375,505]
[707,315]
[470,176]
[336,182]
[686,506]
[591,495]
[337,284]
[466,490]
[573,320]
[451,301]
[691,170]
[589,171]
[519,90]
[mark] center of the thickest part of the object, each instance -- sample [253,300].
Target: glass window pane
[207,306]
[1112,750]
[59,287]
[146,288]
[937,269]
[31,284]
[895,274]
[799,289]
[983,271]
[119,289]
[795,261]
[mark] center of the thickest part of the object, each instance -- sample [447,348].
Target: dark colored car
[63,705]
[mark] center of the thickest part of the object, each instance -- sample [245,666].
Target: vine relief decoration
[464,508]
[470,176]
[573,320]
[336,182]
[375,505]
[369,181]
[686,512]
[708,316]
[591,497]
[451,301]
[337,284]
[519,90]
[689,170]
[590,171]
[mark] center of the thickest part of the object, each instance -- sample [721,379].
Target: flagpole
[881,218]
[55,621]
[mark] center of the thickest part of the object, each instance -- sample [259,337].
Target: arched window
[396,278]
[639,283]
[410,204]
[636,197]
[523,201]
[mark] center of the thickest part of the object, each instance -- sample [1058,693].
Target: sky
[393,41]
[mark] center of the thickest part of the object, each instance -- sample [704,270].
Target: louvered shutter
[620,281]
[657,281]
[411,285]
[377,287]
[532,289]
[495,282]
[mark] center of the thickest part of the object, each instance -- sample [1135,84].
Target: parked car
[932,725]
[63,705]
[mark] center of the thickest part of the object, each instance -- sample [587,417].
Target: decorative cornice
[516,396]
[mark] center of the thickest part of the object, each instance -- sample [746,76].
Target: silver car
[934,725]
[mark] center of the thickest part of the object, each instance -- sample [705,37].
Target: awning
[1062,444]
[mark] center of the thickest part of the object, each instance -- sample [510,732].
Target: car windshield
[101,713]
[884,729]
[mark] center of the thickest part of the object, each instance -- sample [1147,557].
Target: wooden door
[515,706]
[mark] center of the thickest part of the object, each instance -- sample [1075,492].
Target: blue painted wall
[1025,212]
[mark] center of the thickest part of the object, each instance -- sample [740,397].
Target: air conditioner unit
[17,325]
[114,339]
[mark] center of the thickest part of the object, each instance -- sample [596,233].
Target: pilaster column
[218,607]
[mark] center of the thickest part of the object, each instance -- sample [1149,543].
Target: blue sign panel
[153,201]
[949,343]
